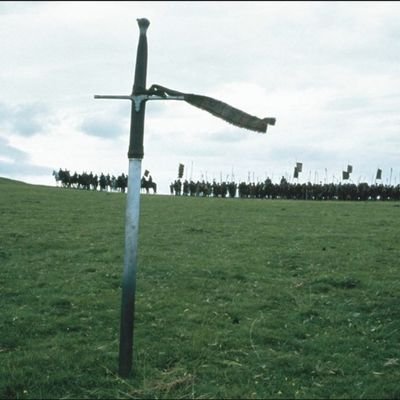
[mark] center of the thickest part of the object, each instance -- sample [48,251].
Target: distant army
[285,190]
[88,181]
[231,189]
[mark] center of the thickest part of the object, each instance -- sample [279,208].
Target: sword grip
[137,117]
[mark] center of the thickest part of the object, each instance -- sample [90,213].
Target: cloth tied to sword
[217,108]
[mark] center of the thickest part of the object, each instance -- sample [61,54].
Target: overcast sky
[329,72]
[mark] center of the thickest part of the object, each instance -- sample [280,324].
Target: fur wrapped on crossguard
[217,108]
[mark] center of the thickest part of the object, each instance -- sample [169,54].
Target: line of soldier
[91,182]
[286,190]
[203,189]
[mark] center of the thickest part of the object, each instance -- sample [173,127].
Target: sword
[215,107]
[138,98]
[132,214]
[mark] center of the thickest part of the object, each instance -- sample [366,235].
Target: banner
[180,170]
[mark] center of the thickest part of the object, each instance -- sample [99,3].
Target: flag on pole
[345,175]
[180,170]
[296,172]
[349,169]
[299,166]
[379,174]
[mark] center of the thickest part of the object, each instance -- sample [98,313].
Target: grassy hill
[235,298]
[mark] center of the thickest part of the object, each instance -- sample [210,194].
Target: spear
[138,97]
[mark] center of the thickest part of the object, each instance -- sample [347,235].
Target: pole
[135,155]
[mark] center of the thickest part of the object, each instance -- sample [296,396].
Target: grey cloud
[18,7]
[377,110]
[29,119]
[227,137]
[11,152]
[102,127]
[204,150]
[337,52]
[347,103]
[156,108]
[124,109]
[19,162]
[317,154]
[23,168]
[24,119]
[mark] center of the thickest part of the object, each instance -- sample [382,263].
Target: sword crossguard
[156,92]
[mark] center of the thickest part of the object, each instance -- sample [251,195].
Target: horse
[56,176]
[145,184]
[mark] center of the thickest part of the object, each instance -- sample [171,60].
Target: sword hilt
[143,25]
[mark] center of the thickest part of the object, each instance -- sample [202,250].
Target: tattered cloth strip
[218,109]
[228,113]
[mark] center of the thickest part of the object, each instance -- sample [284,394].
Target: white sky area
[329,72]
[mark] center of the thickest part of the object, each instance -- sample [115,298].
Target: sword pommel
[143,25]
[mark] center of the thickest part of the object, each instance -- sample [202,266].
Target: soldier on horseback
[147,182]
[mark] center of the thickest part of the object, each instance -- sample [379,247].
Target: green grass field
[235,298]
